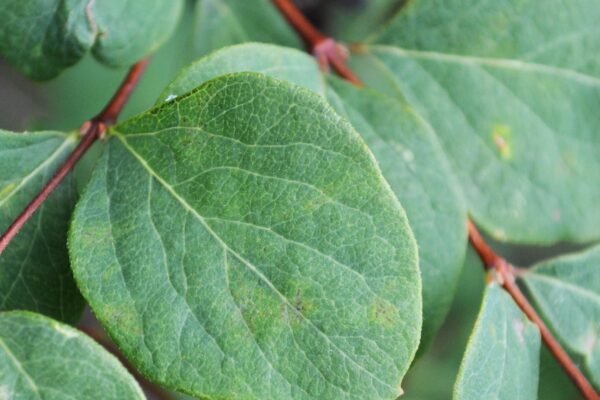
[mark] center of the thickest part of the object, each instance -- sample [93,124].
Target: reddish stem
[93,130]
[101,338]
[328,52]
[114,107]
[486,253]
[507,274]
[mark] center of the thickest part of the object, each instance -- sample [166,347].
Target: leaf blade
[35,267]
[407,152]
[224,23]
[38,356]
[567,292]
[514,104]
[278,62]
[502,357]
[259,217]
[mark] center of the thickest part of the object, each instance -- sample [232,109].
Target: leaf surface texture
[503,354]
[240,241]
[43,359]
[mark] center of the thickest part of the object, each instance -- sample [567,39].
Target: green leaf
[503,354]
[40,38]
[415,166]
[407,151]
[512,95]
[278,62]
[43,359]
[34,268]
[567,291]
[240,241]
[223,23]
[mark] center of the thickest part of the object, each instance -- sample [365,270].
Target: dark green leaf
[513,96]
[240,241]
[42,37]
[567,290]
[223,23]
[43,359]
[502,358]
[34,268]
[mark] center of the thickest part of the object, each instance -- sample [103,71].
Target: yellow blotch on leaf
[501,135]
[7,190]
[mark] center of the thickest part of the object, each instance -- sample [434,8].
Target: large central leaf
[407,151]
[240,242]
[513,96]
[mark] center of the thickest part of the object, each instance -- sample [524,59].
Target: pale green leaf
[40,38]
[512,93]
[278,62]
[407,151]
[221,23]
[34,268]
[240,242]
[44,359]
[503,354]
[415,166]
[567,291]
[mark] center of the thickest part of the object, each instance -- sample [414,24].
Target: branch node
[329,53]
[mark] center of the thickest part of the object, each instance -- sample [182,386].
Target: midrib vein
[503,63]
[248,264]
[19,366]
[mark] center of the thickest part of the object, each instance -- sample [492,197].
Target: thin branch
[103,340]
[115,106]
[486,253]
[329,52]
[92,130]
[326,50]
[507,274]
[87,142]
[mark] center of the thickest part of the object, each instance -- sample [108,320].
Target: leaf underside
[43,359]
[513,103]
[221,23]
[567,291]
[503,354]
[34,268]
[240,241]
